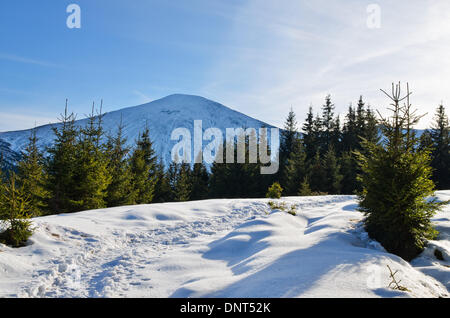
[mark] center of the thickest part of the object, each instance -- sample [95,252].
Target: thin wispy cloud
[260,57]
[323,47]
[18,121]
[143,97]
[26,60]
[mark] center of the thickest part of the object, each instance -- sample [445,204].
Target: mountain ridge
[162,116]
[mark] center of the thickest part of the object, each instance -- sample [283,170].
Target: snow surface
[161,116]
[218,248]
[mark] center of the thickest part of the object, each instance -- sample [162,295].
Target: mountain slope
[7,156]
[162,117]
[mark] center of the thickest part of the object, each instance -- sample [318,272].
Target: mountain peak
[178,102]
[183,96]
[189,100]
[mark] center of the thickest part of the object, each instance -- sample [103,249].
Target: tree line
[323,157]
[86,169]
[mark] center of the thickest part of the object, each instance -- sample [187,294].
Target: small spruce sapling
[274,191]
[15,213]
[396,184]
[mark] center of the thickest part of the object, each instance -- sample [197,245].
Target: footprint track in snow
[101,268]
[109,267]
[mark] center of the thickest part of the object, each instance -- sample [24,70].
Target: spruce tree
[263,181]
[275,191]
[200,180]
[360,125]
[426,140]
[350,140]
[183,184]
[254,183]
[119,189]
[295,170]
[60,166]
[336,136]
[220,172]
[15,212]
[317,175]
[245,178]
[240,176]
[360,118]
[318,129]
[332,184]
[440,135]
[180,180]
[371,132]
[31,176]
[349,172]
[328,124]
[288,139]
[143,164]
[163,191]
[91,176]
[172,177]
[305,189]
[310,135]
[397,185]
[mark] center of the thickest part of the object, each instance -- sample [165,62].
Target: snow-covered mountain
[7,156]
[162,117]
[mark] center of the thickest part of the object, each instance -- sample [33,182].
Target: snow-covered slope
[218,248]
[162,117]
[7,156]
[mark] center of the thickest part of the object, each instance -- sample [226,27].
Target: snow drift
[218,248]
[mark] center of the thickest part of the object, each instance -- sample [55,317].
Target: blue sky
[259,57]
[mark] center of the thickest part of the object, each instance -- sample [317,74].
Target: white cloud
[293,53]
[143,98]
[18,121]
[26,60]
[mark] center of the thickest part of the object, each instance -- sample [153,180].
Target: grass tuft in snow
[283,206]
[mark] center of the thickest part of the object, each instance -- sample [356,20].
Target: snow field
[218,248]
